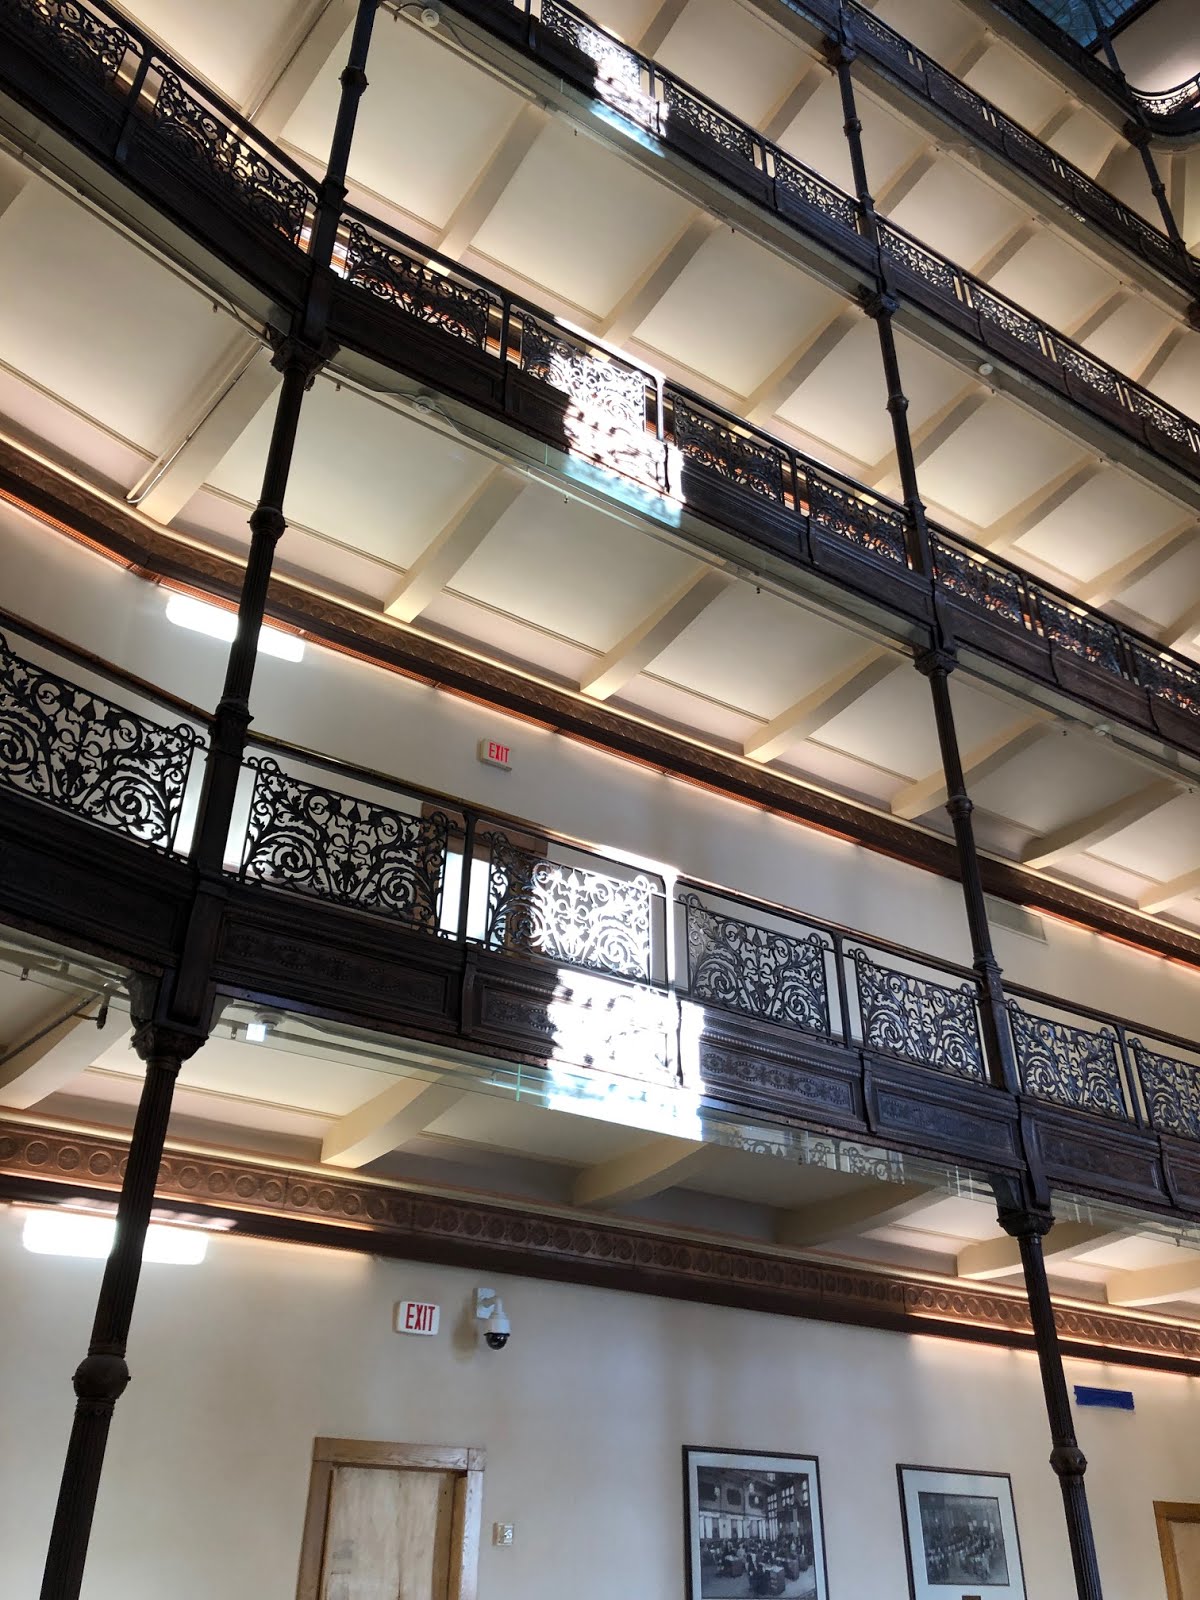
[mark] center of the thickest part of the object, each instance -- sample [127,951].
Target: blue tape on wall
[1117,1399]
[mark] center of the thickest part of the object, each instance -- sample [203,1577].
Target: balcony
[351,894]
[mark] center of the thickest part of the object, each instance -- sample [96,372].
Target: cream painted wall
[239,1363]
[364,714]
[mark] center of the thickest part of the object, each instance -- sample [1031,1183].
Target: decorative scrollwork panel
[1072,1066]
[729,136]
[1171,1089]
[996,590]
[71,30]
[566,913]
[1170,679]
[299,836]
[874,527]
[917,1018]
[742,459]
[70,746]
[407,285]
[746,967]
[255,184]
[814,192]
[606,391]
[1081,632]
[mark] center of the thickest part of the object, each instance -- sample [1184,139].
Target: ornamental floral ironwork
[565,913]
[924,264]
[606,392]
[66,744]
[744,966]
[1171,679]
[1103,380]
[814,192]
[920,1019]
[1081,632]
[406,284]
[740,458]
[997,590]
[1072,1066]
[614,62]
[1170,1089]
[1010,319]
[680,105]
[93,45]
[875,527]
[272,196]
[300,836]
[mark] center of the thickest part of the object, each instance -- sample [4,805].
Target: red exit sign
[494,754]
[417,1316]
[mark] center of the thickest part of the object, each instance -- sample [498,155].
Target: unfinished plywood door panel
[391,1522]
[1179,1540]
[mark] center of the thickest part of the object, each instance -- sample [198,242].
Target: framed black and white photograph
[960,1533]
[753,1525]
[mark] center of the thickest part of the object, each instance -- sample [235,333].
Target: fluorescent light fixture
[75,1233]
[256,1033]
[188,612]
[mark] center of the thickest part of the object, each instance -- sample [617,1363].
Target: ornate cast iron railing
[744,966]
[617,414]
[317,840]
[570,913]
[918,1019]
[68,745]
[1073,1066]
[1171,1090]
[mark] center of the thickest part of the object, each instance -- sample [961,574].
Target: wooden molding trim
[310,1205]
[73,509]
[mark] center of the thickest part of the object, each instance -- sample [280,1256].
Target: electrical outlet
[502,1533]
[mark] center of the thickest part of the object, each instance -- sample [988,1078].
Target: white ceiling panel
[816,137]
[551,1135]
[126,340]
[417,84]
[1178,380]
[53,429]
[496,633]
[628,19]
[1084,139]
[1168,592]
[944,30]
[232,44]
[735,312]
[571,569]
[1014,84]
[667,702]
[1161,846]
[732,55]
[1053,280]
[955,211]
[581,220]
[361,472]
[1129,337]
[1100,525]
[995,461]
[1057,780]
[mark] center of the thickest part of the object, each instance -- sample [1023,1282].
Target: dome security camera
[489,1310]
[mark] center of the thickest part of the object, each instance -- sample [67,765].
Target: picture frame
[960,1534]
[753,1525]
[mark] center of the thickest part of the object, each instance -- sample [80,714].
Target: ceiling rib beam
[404,1109]
[633,308]
[905,179]
[659,26]
[1153,364]
[57,1049]
[799,365]
[1001,254]
[1075,837]
[801,720]
[1148,1286]
[220,417]
[500,169]
[1165,895]
[294,73]
[879,1205]
[978,763]
[1055,122]
[1106,585]
[1094,318]
[654,633]
[1007,530]
[934,432]
[639,1173]
[777,122]
[995,1258]
[1183,628]
[455,544]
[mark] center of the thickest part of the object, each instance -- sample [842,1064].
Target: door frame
[467,1462]
[1167,1511]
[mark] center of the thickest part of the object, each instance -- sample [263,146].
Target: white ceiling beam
[455,544]
[1073,838]
[1090,321]
[632,309]
[1150,367]
[1107,585]
[1165,895]
[655,632]
[658,26]
[389,1120]
[1001,254]
[905,179]
[61,1045]
[640,1173]
[777,122]
[977,763]
[934,432]
[800,364]
[879,1205]
[501,167]
[995,1258]
[1022,519]
[801,720]
[1149,1286]
[1056,121]
[1182,628]
[222,412]
[298,66]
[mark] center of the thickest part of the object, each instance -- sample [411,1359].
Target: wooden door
[391,1522]
[1179,1541]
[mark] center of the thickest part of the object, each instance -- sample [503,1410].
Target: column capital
[1025,1222]
[939,659]
[291,353]
[878,302]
